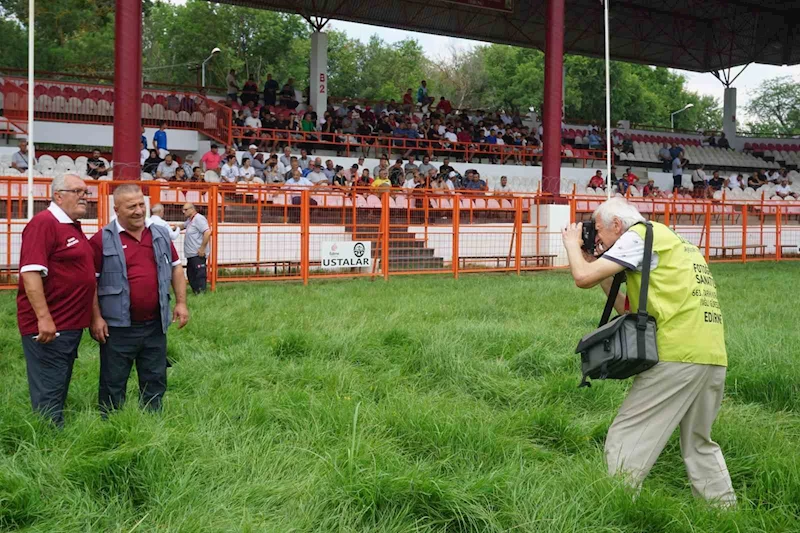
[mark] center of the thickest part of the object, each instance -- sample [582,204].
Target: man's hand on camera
[572,235]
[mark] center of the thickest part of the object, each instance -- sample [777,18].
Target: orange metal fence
[263,233]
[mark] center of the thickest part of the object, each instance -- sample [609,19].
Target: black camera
[589,234]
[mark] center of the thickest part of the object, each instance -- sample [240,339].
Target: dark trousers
[196,272]
[49,369]
[677,182]
[145,344]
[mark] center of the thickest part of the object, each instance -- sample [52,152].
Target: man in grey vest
[135,263]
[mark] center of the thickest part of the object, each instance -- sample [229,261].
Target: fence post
[778,233]
[304,239]
[666,213]
[386,226]
[456,230]
[215,234]
[518,234]
[744,233]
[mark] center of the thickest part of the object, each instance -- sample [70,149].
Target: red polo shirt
[55,246]
[140,262]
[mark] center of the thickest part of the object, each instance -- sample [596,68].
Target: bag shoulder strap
[642,316]
[612,297]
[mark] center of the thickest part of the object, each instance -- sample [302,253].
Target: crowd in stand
[271,118]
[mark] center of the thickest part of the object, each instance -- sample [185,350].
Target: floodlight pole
[608,100]
[31,145]
[672,116]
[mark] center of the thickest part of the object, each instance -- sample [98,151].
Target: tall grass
[421,404]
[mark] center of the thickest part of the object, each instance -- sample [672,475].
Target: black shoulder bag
[626,345]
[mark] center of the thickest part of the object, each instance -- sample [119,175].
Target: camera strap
[612,297]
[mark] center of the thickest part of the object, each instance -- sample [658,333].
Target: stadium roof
[699,35]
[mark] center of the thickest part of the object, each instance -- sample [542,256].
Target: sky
[706,84]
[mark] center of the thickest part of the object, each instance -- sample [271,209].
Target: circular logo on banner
[358,249]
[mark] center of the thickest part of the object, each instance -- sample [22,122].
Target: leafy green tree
[776,107]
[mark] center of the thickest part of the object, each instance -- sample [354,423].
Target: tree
[776,107]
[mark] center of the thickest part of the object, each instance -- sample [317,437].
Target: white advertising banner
[346,254]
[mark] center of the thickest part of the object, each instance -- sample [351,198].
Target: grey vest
[113,290]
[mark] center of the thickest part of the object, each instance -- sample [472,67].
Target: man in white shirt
[166,169]
[156,214]
[735,182]
[286,158]
[144,154]
[410,182]
[230,170]
[252,122]
[503,187]
[784,189]
[317,175]
[297,183]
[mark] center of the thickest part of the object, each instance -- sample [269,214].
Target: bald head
[189,209]
[130,207]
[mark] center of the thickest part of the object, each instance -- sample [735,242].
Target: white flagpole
[31,145]
[608,102]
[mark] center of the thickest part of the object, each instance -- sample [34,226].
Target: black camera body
[589,234]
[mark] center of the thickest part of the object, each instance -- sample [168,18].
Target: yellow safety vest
[682,297]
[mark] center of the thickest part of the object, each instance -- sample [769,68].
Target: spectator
[251,153]
[444,106]
[211,160]
[595,141]
[650,189]
[144,140]
[95,167]
[411,165]
[597,181]
[784,190]
[188,104]
[426,166]
[132,313]
[197,175]
[665,156]
[381,181]
[55,294]
[411,180]
[230,170]
[143,154]
[716,182]
[156,218]
[503,188]
[287,98]
[699,178]
[195,243]
[677,172]
[188,165]
[304,161]
[446,168]
[252,126]
[408,101]
[160,140]
[270,91]
[736,182]
[274,171]
[723,142]
[329,170]
[246,172]
[19,160]
[150,165]
[258,165]
[675,152]
[173,102]
[422,95]
[293,165]
[316,175]
[475,183]
[712,141]
[166,169]
[232,85]
[250,91]
[340,179]
[755,181]
[286,158]
[296,182]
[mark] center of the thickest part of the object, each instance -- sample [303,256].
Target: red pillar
[127,89]
[553,82]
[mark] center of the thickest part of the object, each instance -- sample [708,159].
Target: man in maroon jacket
[56,290]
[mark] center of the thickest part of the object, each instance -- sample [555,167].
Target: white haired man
[56,289]
[685,388]
[157,218]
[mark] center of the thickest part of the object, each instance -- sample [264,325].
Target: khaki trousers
[662,398]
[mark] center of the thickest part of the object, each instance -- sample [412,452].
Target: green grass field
[421,404]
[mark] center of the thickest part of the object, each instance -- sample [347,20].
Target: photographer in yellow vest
[685,388]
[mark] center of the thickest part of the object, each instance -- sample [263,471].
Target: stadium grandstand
[412,167]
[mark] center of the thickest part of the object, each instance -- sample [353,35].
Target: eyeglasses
[82,193]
